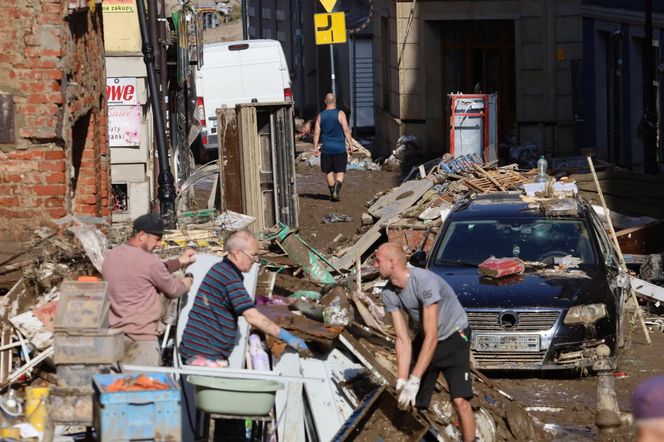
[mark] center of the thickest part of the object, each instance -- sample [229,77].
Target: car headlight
[585,314]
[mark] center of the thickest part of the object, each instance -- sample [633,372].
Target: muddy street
[567,401]
[359,187]
[564,401]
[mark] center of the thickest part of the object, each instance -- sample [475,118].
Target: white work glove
[409,393]
[400,384]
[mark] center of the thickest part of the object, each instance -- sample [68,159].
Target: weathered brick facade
[52,68]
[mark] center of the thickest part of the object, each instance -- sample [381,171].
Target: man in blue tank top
[332,128]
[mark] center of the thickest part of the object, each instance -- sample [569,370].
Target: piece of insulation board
[400,198]
[647,289]
[289,402]
[321,396]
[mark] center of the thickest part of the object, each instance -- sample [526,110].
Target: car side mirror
[418,259]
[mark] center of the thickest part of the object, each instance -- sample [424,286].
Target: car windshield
[536,240]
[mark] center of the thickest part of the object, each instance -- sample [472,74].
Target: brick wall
[52,70]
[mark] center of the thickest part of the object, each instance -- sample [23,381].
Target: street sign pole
[334,89]
[330,29]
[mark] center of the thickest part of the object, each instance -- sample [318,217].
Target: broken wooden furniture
[257,162]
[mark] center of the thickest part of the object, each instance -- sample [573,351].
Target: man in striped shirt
[211,331]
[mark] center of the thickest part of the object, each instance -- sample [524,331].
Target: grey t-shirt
[425,288]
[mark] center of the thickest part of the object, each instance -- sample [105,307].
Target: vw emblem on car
[508,320]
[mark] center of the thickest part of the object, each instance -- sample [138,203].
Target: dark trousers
[452,358]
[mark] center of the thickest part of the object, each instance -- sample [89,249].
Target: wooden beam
[639,313]
[489,177]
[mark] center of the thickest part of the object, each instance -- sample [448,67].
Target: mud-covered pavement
[567,400]
[359,187]
[563,401]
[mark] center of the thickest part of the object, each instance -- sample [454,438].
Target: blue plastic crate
[132,415]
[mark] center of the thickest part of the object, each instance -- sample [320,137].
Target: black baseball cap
[149,223]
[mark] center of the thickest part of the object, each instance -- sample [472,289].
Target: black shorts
[452,358]
[333,162]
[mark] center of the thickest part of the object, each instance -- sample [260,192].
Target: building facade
[526,51]
[53,119]
[614,81]
[130,114]
[291,22]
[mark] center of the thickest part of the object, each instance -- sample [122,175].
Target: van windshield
[535,240]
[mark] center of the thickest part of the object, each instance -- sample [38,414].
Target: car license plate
[507,343]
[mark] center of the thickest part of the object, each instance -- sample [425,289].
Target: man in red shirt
[135,278]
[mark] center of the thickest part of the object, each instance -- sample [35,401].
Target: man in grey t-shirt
[443,330]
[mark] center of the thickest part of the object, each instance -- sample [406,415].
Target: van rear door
[262,73]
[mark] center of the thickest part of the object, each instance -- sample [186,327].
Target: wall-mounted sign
[124,126]
[117,6]
[121,91]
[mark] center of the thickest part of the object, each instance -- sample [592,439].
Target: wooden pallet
[508,180]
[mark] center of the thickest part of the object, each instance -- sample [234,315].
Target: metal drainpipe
[649,121]
[163,65]
[166,190]
[299,51]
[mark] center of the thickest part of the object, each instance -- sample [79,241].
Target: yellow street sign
[328,4]
[330,28]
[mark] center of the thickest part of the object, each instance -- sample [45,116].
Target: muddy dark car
[557,313]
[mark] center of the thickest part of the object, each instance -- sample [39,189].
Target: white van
[239,72]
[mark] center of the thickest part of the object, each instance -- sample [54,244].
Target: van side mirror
[418,259]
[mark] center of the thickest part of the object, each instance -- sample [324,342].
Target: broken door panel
[267,148]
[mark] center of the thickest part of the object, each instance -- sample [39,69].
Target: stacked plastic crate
[84,346]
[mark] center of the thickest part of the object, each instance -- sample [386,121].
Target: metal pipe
[649,122]
[223,373]
[299,55]
[245,19]
[353,99]
[166,190]
[163,64]
[332,75]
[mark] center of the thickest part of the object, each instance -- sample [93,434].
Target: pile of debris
[346,387]
[412,213]
[359,158]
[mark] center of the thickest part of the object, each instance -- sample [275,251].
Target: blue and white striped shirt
[211,330]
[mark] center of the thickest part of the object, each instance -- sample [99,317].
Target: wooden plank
[229,166]
[321,397]
[289,403]
[367,240]
[489,177]
[251,164]
[6,354]
[366,357]
[400,199]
